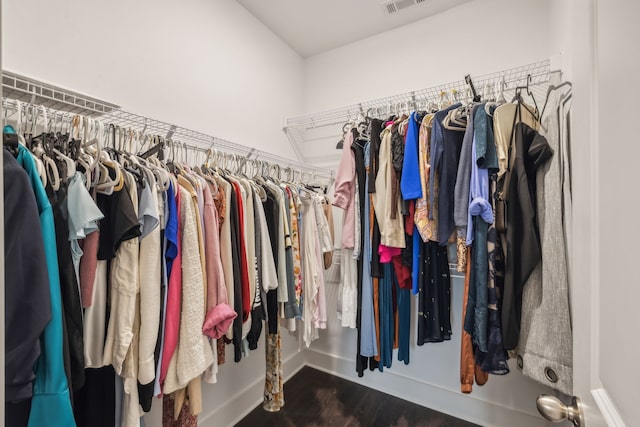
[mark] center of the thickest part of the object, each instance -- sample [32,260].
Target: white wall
[202,64]
[480,37]
[211,66]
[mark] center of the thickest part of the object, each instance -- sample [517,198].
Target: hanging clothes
[545,344]
[51,404]
[27,295]
[529,152]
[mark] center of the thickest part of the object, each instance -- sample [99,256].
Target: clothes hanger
[518,98]
[550,89]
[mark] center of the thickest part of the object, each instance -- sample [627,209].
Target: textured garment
[294,207]
[291,307]
[523,252]
[51,404]
[193,354]
[434,300]
[171,419]
[546,337]
[274,380]
[425,226]
[345,190]
[388,214]
[27,290]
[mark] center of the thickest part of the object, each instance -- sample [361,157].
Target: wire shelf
[28,90]
[296,128]
[57,100]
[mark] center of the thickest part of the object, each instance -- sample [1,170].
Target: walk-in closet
[319,213]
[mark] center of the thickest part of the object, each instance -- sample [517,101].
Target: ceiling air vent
[393,6]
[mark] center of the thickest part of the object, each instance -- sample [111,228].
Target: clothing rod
[183,137]
[539,72]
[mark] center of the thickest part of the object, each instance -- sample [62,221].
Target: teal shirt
[51,404]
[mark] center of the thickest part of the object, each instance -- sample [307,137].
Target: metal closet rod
[537,71]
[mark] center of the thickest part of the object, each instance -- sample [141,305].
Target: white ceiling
[315,26]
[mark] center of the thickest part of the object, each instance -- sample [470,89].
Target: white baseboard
[608,408]
[417,391]
[227,414]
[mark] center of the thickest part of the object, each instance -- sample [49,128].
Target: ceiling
[311,27]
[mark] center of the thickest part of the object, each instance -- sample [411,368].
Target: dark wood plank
[314,398]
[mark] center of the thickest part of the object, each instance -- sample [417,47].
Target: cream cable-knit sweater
[193,354]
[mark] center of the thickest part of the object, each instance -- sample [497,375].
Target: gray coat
[545,348]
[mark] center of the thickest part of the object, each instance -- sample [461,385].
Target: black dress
[523,250]
[434,298]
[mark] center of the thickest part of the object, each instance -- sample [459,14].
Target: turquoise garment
[51,405]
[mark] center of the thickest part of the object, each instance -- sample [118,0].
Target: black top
[120,222]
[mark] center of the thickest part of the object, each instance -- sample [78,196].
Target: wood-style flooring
[315,398]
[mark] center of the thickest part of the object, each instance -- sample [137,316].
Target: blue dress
[51,404]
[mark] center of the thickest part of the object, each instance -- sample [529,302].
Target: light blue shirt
[478,195]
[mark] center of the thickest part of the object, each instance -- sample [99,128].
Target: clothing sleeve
[82,210]
[410,184]
[345,175]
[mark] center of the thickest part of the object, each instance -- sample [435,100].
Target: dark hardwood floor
[315,398]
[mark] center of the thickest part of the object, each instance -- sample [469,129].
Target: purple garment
[478,195]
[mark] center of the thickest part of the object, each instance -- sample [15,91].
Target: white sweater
[193,354]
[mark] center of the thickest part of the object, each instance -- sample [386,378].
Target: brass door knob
[552,409]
